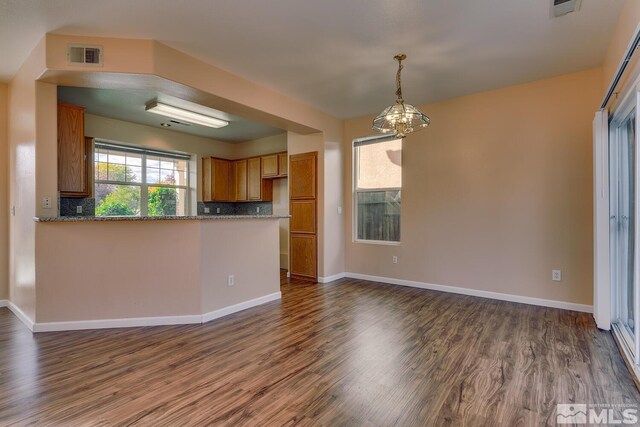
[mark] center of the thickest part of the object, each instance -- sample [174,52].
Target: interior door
[623,215]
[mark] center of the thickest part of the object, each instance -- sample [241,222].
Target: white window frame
[356,191]
[144,185]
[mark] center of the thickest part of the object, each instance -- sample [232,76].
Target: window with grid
[132,181]
[377,188]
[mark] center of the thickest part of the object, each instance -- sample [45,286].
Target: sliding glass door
[623,181]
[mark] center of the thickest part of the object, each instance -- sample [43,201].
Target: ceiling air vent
[562,7]
[84,55]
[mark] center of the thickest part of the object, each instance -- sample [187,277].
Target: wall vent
[562,7]
[84,55]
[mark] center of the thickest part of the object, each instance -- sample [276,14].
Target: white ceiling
[337,54]
[129,105]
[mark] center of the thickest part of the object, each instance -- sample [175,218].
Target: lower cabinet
[304,257]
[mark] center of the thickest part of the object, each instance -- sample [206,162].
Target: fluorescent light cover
[185,116]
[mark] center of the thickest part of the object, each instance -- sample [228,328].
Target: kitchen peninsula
[105,272]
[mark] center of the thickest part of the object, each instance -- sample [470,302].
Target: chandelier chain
[398,79]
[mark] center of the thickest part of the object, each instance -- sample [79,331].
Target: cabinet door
[254,179]
[283,164]
[220,170]
[206,179]
[303,255]
[73,171]
[241,180]
[303,216]
[303,176]
[270,166]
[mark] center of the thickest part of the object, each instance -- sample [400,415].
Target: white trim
[206,317]
[476,293]
[601,222]
[21,315]
[151,321]
[625,351]
[4,303]
[77,325]
[332,278]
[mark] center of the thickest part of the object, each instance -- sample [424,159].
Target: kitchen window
[377,189]
[135,181]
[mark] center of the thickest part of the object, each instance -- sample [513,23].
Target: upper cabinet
[235,180]
[258,189]
[215,179]
[283,164]
[270,166]
[274,165]
[74,153]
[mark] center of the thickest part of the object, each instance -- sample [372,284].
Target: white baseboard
[332,278]
[151,321]
[4,303]
[477,293]
[206,317]
[21,315]
[78,325]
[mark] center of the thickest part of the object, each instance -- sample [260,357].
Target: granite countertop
[155,218]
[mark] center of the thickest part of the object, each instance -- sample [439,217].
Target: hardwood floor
[346,353]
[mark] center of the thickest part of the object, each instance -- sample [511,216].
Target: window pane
[153,162]
[101,169]
[117,158]
[153,176]
[117,200]
[167,177]
[379,165]
[378,215]
[167,201]
[134,174]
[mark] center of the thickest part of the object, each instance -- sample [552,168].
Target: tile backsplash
[68,206]
[240,208]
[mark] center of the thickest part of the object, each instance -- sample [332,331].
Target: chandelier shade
[400,118]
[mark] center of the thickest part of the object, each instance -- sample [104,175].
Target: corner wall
[4,192]
[496,193]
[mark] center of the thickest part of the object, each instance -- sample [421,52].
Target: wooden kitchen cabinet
[303,244]
[240,181]
[270,166]
[275,165]
[258,189]
[283,164]
[215,179]
[74,153]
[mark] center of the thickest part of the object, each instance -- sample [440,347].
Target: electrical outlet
[13,211]
[207,210]
[394,259]
[339,210]
[258,209]
[79,209]
[556,275]
[46,202]
[217,210]
[231,280]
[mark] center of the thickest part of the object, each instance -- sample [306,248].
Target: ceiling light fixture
[400,118]
[185,115]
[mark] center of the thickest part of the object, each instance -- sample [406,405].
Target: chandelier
[400,118]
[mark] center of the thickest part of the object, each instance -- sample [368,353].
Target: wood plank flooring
[350,353]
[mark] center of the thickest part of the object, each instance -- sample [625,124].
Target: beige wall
[627,23]
[24,119]
[118,270]
[259,147]
[246,249]
[4,193]
[496,193]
